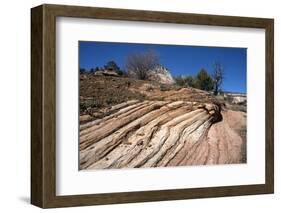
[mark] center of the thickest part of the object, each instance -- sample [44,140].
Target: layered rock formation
[130,123]
[162,133]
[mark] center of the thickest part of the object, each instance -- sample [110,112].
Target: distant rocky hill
[161,75]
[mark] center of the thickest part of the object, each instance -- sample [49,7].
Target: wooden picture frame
[43,105]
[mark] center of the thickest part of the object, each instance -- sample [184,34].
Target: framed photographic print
[136,106]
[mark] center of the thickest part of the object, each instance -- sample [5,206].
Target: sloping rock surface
[159,133]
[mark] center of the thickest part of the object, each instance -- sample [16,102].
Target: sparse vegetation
[82,70]
[111,65]
[204,81]
[201,81]
[185,81]
[97,92]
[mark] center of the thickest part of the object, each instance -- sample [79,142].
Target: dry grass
[98,92]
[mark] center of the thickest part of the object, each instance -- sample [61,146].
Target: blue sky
[180,60]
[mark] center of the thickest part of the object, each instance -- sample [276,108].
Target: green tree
[82,70]
[180,81]
[190,81]
[185,81]
[204,81]
[111,65]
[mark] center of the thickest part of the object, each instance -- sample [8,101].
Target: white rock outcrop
[161,75]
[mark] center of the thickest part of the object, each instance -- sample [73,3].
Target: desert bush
[179,80]
[82,70]
[201,81]
[185,81]
[204,81]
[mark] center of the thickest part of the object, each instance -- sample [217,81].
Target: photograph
[155,105]
[142,105]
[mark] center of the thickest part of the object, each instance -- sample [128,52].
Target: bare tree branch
[140,64]
[218,76]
